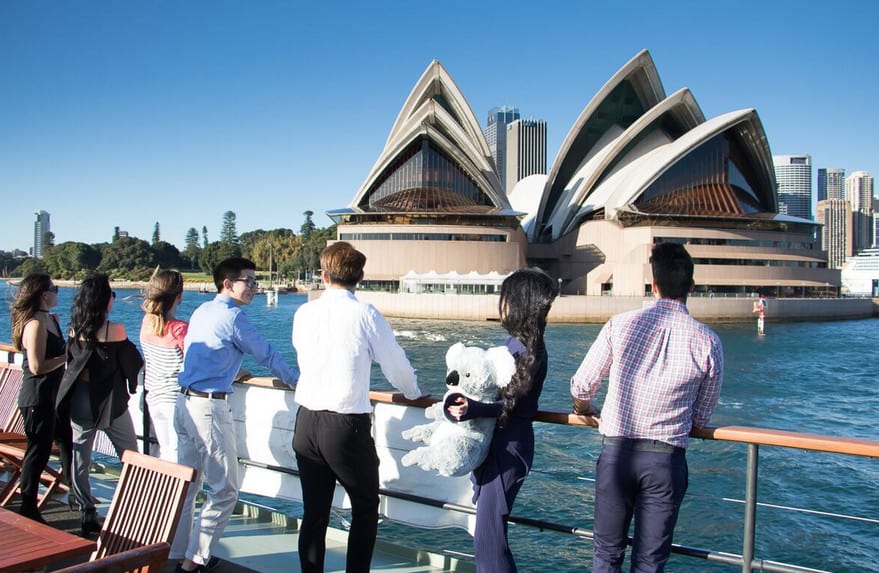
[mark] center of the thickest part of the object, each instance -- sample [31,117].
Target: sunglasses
[249,282]
[53,288]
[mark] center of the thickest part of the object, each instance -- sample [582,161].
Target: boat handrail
[740,434]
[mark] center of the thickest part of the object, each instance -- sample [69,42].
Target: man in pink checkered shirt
[665,370]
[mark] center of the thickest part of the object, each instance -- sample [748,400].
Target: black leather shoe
[31,512]
[89,523]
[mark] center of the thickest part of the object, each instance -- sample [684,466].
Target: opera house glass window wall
[708,181]
[424,179]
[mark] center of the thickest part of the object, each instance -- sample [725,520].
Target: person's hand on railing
[584,408]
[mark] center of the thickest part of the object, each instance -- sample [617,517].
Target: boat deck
[260,540]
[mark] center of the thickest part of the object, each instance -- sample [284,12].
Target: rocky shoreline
[199,286]
[142,285]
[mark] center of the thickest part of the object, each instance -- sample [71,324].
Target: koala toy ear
[503,363]
[454,353]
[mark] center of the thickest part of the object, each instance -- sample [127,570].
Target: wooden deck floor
[258,540]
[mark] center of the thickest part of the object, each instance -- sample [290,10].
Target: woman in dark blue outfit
[526,297]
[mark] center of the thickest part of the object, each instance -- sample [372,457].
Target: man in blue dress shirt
[219,336]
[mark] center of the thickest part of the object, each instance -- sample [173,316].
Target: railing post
[750,508]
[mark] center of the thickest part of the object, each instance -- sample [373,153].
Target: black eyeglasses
[53,288]
[248,282]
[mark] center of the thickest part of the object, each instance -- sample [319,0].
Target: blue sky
[128,113]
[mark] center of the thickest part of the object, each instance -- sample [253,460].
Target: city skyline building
[793,173]
[831,183]
[836,234]
[525,150]
[859,192]
[875,229]
[42,226]
[496,135]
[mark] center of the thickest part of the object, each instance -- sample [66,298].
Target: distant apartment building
[875,229]
[836,234]
[831,183]
[496,136]
[41,228]
[526,150]
[859,192]
[794,176]
[118,234]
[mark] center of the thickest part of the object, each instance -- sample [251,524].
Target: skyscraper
[794,176]
[875,229]
[859,192]
[526,150]
[496,135]
[831,183]
[41,227]
[836,234]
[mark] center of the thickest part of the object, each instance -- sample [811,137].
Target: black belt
[643,445]
[196,393]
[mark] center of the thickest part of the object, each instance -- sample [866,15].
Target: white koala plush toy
[456,449]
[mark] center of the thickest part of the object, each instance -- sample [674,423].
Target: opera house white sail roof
[635,151]
[436,158]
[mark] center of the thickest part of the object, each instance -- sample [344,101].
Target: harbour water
[818,377]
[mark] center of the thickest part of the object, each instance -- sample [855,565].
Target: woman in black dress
[36,333]
[102,369]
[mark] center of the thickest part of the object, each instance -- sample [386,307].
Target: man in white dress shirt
[337,338]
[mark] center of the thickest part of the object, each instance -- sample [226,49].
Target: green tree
[29,266]
[49,240]
[167,255]
[214,253]
[250,239]
[229,232]
[128,257]
[156,233]
[308,226]
[204,237]
[72,260]
[191,250]
[8,263]
[307,259]
[283,248]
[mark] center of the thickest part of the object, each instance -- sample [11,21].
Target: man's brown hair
[343,263]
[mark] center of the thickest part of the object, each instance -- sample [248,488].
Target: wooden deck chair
[147,559]
[13,442]
[146,504]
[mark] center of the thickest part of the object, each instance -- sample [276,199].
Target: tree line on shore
[131,258]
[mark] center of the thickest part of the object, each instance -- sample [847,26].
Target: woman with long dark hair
[36,333]
[101,372]
[161,338]
[526,297]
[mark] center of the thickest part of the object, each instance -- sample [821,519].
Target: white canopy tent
[451,282]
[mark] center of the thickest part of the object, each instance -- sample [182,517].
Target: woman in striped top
[161,339]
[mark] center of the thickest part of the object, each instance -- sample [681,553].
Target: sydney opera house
[638,167]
